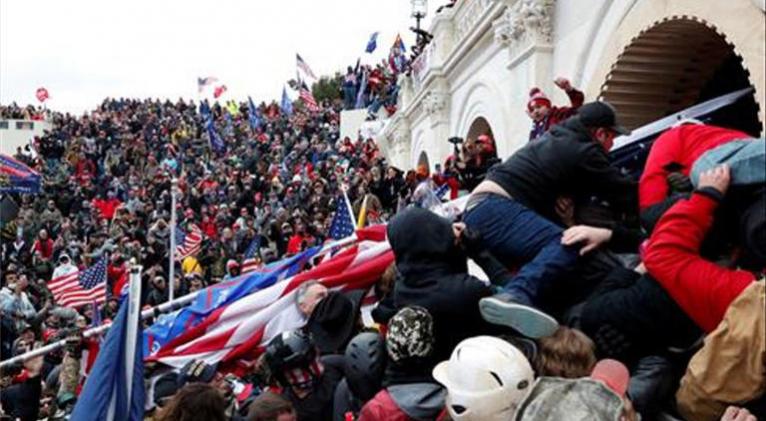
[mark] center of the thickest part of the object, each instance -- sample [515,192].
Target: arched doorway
[674,64]
[481,127]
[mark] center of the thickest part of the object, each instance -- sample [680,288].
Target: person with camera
[473,160]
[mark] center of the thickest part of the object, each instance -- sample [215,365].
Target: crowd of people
[604,297]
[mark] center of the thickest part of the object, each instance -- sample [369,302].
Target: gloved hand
[679,183]
[471,242]
[74,344]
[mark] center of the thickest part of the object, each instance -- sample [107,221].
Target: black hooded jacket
[433,274]
[565,161]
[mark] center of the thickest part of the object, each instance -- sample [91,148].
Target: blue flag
[372,44]
[253,117]
[229,129]
[360,96]
[216,142]
[286,105]
[171,325]
[115,387]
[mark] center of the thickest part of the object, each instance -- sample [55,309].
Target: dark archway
[673,65]
[479,127]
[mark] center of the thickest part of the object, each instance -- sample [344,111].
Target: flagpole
[172,253]
[134,320]
[148,313]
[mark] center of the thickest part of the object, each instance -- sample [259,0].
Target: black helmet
[292,349]
[365,363]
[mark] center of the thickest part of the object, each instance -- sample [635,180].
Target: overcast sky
[84,51]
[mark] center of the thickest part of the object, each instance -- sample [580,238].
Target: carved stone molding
[525,20]
[435,103]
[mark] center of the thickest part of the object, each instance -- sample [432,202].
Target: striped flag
[80,287]
[202,82]
[188,243]
[304,67]
[172,325]
[250,261]
[308,98]
[241,328]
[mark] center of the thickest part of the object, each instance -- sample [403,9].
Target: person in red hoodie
[670,161]
[108,205]
[544,115]
[44,245]
[298,241]
[728,304]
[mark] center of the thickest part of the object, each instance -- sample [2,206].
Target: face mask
[304,378]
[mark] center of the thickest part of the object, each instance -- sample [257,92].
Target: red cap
[536,96]
[612,373]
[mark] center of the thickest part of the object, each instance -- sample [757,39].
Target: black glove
[472,242]
[679,183]
[74,345]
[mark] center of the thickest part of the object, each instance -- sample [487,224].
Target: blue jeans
[516,234]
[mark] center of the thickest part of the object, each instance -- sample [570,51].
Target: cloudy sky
[84,51]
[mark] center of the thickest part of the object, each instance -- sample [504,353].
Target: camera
[455,140]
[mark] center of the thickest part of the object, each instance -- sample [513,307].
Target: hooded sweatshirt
[433,274]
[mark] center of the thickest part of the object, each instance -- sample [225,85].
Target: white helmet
[486,379]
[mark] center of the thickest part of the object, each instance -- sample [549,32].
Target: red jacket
[701,288]
[45,247]
[681,145]
[107,207]
[558,114]
[383,408]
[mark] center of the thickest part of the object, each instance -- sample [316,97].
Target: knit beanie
[536,96]
[410,334]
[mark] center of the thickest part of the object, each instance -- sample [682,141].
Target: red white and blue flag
[203,82]
[79,288]
[308,98]
[250,259]
[242,328]
[171,325]
[302,65]
[189,243]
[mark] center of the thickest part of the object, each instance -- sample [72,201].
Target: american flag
[250,262]
[343,224]
[188,244]
[308,98]
[80,287]
[241,328]
[202,82]
[303,66]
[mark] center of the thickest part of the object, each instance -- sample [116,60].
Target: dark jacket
[566,160]
[22,401]
[319,404]
[433,274]
[630,316]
